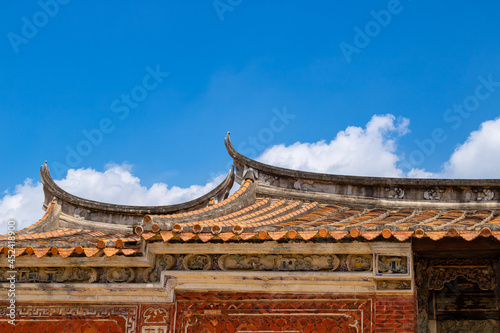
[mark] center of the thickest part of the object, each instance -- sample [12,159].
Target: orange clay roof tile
[90,251]
[369,235]
[64,253]
[110,251]
[186,236]
[19,251]
[40,252]
[225,236]
[206,236]
[167,235]
[129,252]
[402,235]
[469,235]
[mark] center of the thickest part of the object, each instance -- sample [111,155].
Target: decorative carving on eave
[197,262]
[393,285]
[483,276]
[81,213]
[395,192]
[392,264]
[434,274]
[484,194]
[433,193]
[119,274]
[304,185]
[359,262]
[52,274]
[472,326]
[278,262]
[341,263]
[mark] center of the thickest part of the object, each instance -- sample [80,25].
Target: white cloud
[369,151]
[24,205]
[115,185]
[479,156]
[421,173]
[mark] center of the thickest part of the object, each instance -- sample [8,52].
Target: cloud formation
[479,156]
[372,151]
[115,185]
[369,151]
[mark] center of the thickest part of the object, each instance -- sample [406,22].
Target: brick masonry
[225,312]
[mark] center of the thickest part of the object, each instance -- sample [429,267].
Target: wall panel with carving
[262,312]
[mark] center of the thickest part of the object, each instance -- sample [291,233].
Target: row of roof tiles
[285,214]
[40,252]
[192,214]
[400,235]
[262,235]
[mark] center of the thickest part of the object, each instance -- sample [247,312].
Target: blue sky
[234,66]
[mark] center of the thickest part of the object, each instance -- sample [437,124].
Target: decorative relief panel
[119,274]
[359,262]
[484,194]
[81,213]
[241,262]
[392,264]
[273,262]
[91,274]
[272,313]
[484,276]
[394,285]
[340,321]
[469,326]
[433,193]
[304,185]
[395,192]
[197,262]
[53,274]
[268,179]
[155,315]
[81,318]
[163,263]
[433,274]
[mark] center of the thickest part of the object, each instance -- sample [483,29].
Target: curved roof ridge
[355,180]
[220,191]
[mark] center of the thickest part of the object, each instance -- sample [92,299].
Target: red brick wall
[395,314]
[225,312]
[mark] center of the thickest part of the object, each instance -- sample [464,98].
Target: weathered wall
[226,312]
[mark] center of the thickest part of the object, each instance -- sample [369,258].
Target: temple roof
[271,203]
